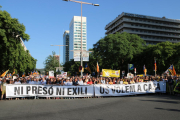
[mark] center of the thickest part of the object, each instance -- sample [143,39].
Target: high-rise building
[75,36]
[66,48]
[152,29]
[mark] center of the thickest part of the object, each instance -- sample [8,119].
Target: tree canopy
[13,55]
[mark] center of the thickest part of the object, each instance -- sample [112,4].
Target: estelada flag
[155,66]
[97,67]
[172,70]
[87,68]
[4,74]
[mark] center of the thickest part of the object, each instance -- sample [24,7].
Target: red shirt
[89,83]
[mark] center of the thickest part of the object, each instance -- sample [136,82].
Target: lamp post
[81,2]
[59,52]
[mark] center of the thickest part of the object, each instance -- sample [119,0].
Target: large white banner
[84,90]
[130,89]
[49,91]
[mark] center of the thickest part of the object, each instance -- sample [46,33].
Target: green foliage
[166,53]
[13,55]
[71,66]
[115,50]
[51,62]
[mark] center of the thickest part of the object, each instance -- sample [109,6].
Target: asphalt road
[143,107]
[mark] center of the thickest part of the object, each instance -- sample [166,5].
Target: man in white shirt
[80,82]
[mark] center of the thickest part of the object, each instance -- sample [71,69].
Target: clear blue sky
[45,20]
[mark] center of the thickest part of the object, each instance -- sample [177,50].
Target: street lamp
[59,52]
[81,2]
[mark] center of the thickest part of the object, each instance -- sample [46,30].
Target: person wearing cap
[3,89]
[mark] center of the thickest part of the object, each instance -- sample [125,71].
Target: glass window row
[153,21]
[155,32]
[160,38]
[156,27]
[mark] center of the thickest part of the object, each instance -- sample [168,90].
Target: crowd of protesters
[76,80]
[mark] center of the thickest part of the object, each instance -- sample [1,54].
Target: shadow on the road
[174,110]
[163,96]
[164,101]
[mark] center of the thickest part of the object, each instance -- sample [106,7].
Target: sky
[46,20]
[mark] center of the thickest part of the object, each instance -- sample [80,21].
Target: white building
[75,35]
[66,48]
[22,43]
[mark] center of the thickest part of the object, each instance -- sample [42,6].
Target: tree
[51,62]
[13,55]
[114,51]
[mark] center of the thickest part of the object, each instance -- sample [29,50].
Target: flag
[172,70]
[87,68]
[97,67]
[10,75]
[14,72]
[23,75]
[4,74]
[144,68]
[155,66]
[167,72]
[131,66]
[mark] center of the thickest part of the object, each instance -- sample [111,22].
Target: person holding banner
[75,82]
[110,81]
[32,81]
[103,80]
[132,81]
[80,82]
[125,82]
[90,82]
[3,89]
[43,81]
[117,81]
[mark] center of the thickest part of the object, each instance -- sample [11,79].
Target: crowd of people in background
[76,80]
